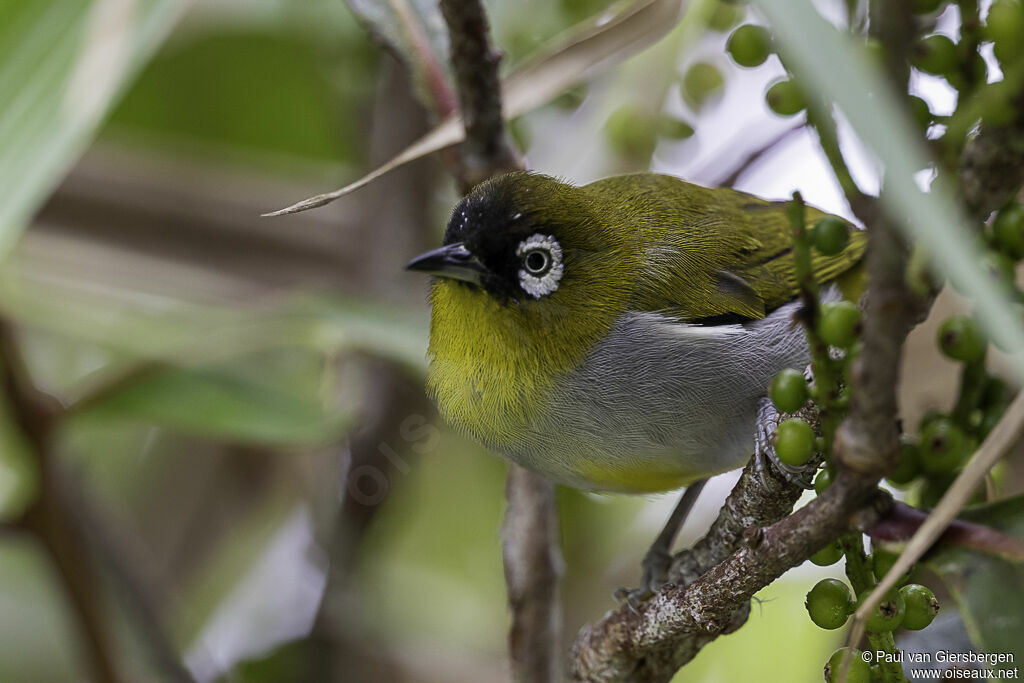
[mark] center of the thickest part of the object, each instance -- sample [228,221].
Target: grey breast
[657,387]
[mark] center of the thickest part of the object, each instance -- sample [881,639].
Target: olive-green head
[522,238]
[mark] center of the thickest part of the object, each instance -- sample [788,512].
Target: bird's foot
[655,566]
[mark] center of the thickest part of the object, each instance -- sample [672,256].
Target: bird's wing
[716,255]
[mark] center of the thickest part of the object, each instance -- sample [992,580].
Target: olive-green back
[711,253]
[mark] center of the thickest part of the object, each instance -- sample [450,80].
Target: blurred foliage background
[253,466]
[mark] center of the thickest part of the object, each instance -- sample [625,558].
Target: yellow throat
[490,376]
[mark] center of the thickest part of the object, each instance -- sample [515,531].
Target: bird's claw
[655,565]
[632,597]
[768,418]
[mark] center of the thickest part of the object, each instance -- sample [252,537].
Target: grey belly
[658,392]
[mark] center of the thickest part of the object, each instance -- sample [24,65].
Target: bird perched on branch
[618,336]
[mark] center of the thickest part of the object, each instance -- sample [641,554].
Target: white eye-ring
[541,257]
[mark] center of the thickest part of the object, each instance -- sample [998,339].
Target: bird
[621,335]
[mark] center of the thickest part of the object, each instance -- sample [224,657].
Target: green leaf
[62,63]
[988,590]
[271,397]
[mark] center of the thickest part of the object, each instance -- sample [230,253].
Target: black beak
[451,260]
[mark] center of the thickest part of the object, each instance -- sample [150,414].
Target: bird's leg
[658,558]
[768,418]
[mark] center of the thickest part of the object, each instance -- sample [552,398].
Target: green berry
[859,671]
[725,16]
[839,324]
[750,45]
[701,83]
[828,555]
[785,99]
[789,390]
[920,111]
[882,561]
[631,132]
[943,447]
[1004,26]
[674,129]
[927,6]
[921,606]
[935,54]
[794,441]
[1008,230]
[889,614]
[961,339]
[829,603]
[908,467]
[822,481]
[831,235]
[571,99]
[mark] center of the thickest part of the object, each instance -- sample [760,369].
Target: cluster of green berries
[937,54]
[839,326]
[944,441]
[751,45]
[831,602]
[912,606]
[963,66]
[633,131]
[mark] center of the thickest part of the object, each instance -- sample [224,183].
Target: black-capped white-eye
[541,260]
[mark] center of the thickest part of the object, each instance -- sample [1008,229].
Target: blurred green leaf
[249,90]
[187,333]
[989,590]
[18,471]
[274,397]
[62,62]
[37,636]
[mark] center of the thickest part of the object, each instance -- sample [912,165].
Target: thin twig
[754,157]
[905,521]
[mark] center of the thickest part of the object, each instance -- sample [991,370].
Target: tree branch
[47,518]
[992,165]
[642,645]
[533,567]
[486,151]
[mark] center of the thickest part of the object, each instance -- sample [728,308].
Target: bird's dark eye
[537,262]
[541,256]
